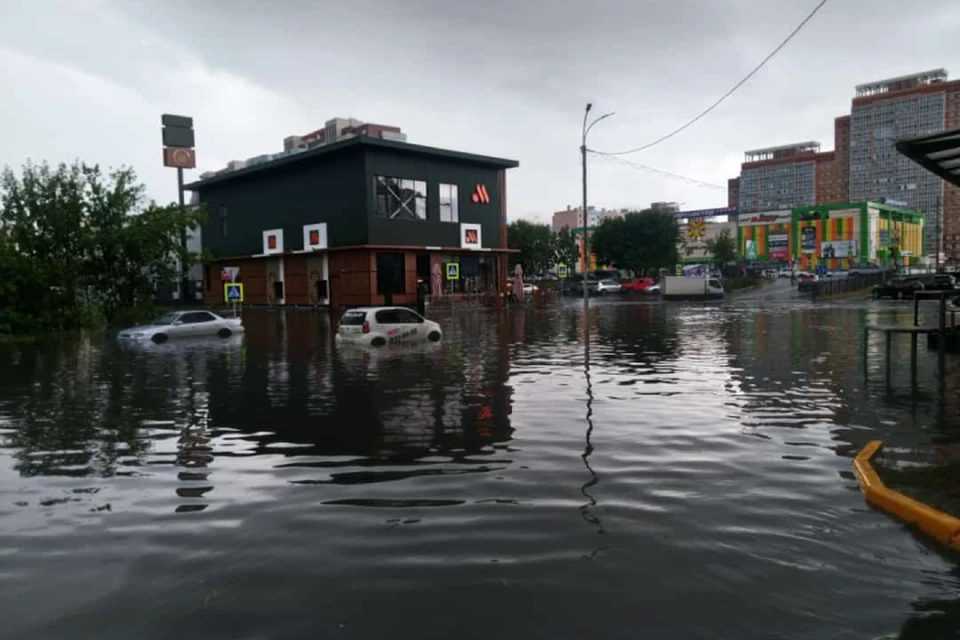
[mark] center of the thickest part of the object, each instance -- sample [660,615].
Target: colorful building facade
[835,236]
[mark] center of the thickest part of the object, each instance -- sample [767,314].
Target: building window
[400,198]
[449,203]
[223,221]
[391,273]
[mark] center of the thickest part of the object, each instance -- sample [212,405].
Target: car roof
[375,309]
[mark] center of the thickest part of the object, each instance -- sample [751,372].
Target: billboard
[808,240]
[838,249]
[767,217]
[778,246]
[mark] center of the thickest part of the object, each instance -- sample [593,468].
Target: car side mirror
[178,323]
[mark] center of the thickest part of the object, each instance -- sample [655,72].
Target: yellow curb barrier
[941,526]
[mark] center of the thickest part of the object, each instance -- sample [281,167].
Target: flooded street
[687,476]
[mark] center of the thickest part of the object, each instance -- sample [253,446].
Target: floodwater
[688,476]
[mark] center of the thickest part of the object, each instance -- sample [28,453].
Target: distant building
[337,129]
[572,218]
[665,207]
[890,110]
[864,165]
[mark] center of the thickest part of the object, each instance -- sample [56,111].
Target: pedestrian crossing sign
[453,271]
[233,292]
[561,271]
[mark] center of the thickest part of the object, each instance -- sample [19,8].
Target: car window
[165,319]
[353,318]
[196,317]
[387,316]
[406,316]
[715,284]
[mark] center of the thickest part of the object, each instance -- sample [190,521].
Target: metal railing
[827,287]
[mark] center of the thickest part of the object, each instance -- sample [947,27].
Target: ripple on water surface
[687,476]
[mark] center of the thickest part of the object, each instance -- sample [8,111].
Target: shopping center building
[835,236]
[357,222]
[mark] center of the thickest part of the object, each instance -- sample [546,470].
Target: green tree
[76,244]
[723,248]
[641,241]
[535,243]
[566,249]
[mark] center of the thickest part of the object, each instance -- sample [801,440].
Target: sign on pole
[233,292]
[561,271]
[453,270]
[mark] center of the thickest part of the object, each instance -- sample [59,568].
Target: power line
[643,167]
[731,91]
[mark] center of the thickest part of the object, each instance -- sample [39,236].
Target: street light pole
[586,219]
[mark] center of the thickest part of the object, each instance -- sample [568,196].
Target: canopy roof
[938,153]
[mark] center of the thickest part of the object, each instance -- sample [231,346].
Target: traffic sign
[233,292]
[679,269]
[561,271]
[453,270]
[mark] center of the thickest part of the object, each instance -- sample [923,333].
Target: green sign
[453,270]
[750,250]
[561,271]
[679,269]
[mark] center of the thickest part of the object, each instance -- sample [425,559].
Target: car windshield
[167,318]
[607,283]
[353,318]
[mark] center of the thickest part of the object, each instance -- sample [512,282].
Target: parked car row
[904,287]
[609,286]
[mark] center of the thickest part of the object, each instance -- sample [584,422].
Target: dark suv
[898,288]
[939,282]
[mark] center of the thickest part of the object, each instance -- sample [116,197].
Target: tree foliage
[536,245]
[641,241]
[76,244]
[566,248]
[723,248]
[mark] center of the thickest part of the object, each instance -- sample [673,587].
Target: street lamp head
[589,106]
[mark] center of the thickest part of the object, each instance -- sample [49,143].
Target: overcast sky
[89,79]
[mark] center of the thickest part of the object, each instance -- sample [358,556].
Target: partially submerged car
[184,324]
[380,326]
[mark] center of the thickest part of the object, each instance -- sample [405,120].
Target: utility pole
[939,225]
[586,218]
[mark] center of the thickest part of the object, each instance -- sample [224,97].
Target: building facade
[864,165]
[890,110]
[836,236]
[362,221]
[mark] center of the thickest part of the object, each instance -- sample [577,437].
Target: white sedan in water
[380,326]
[184,324]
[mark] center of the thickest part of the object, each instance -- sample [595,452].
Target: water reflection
[211,484]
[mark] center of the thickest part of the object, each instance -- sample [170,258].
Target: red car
[637,285]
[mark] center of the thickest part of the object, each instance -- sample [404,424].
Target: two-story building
[357,222]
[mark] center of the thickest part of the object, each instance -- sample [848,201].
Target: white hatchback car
[380,326]
[184,324]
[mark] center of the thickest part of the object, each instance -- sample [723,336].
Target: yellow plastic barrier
[941,526]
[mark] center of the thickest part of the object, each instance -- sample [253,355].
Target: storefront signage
[470,236]
[777,246]
[808,240]
[273,241]
[750,249]
[767,217]
[845,213]
[809,216]
[315,236]
[707,213]
[480,195]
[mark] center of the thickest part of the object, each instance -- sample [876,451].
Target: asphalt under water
[688,476]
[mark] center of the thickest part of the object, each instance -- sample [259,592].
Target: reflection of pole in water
[585,509]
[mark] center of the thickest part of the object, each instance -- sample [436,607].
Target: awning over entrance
[938,153]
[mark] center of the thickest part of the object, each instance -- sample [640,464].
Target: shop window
[449,203]
[400,198]
[391,277]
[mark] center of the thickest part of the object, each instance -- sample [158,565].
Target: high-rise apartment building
[780,177]
[890,110]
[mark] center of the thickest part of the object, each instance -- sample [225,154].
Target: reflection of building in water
[348,401]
